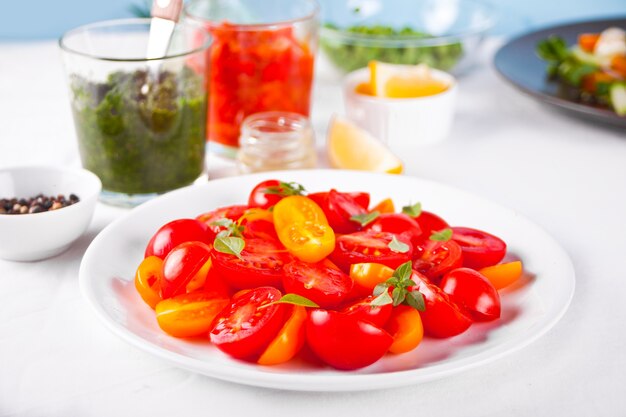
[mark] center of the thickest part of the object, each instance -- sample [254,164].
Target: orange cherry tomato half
[405,326]
[587,41]
[385,206]
[289,340]
[503,275]
[302,228]
[189,315]
[367,275]
[148,280]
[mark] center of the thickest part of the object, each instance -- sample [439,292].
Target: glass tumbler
[261,59]
[140,123]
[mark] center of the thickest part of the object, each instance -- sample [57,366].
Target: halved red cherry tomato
[261,264]
[437,258]
[442,317]
[366,276]
[181,265]
[397,223]
[429,223]
[302,227]
[258,223]
[503,275]
[405,326]
[339,208]
[363,310]
[318,282]
[189,315]
[265,194]
[343,341]
[480,249]
[174,233]
[214,282]
[230,212]
[472,291]
[245,328]
[148,280]
[368,246]
[289,340]
[385,206]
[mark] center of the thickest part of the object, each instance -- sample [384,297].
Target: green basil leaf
[442,236]
[365,218]
[396,246]
[382,300]
[286,189]
[380,288]
[403,272]
[398,295]
[295,299]
[415,299]
[229,244]
[413,210]
[225,222]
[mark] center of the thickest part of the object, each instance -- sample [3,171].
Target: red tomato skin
[344,342]
[320,283]
[180,266]
[434,258]
[430,222]
[262,229]
[397,223]
[480,249]
[263,324]
[442,317]
[173,234]
[339,208]
[360,197]
[347,251]
[473,292]
[228,212]
[362,310]
[262,264]
[259,197]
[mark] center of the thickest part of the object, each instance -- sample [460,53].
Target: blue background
[41,19]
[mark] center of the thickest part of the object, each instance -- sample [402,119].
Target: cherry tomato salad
[328,271]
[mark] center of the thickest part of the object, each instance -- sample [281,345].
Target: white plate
[107,270]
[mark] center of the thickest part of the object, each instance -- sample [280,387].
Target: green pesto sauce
[349,57]
[141,132]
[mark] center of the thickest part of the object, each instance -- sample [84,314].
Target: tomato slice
[480,249]
[472,291]
[265,194]
[245,328]
[442,317]
[261,264]
[302,227]
[181,266]
[319,282]
[343,341]
[503,275]
[363,310]
[405,326]
[429,223]
[398,223]
[148,280]
[288,342]
[339,208]
[174,233]
[229,212]
[437,258]
[189,315]
[258,223]
[367,276]
[368,247]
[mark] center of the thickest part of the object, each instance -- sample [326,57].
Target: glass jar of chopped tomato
[261,60]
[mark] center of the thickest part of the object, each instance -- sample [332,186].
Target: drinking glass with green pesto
[140,123]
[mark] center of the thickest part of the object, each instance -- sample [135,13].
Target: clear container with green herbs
[445,34]
[140,123]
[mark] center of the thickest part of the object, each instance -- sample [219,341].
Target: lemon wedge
[403,81]
[351,147]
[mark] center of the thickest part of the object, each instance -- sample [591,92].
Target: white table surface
[568,176]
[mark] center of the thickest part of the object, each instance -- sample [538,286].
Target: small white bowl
[31,237]
[402,123]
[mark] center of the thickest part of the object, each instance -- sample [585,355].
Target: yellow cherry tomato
[148,278]
[302,228]
[188,315]
[405,326]
[367,275]
[503,275]
[256,213]
[385,206]
[289,340]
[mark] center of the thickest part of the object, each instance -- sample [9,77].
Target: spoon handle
[167,9]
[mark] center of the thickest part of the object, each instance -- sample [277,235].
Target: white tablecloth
[56,358]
